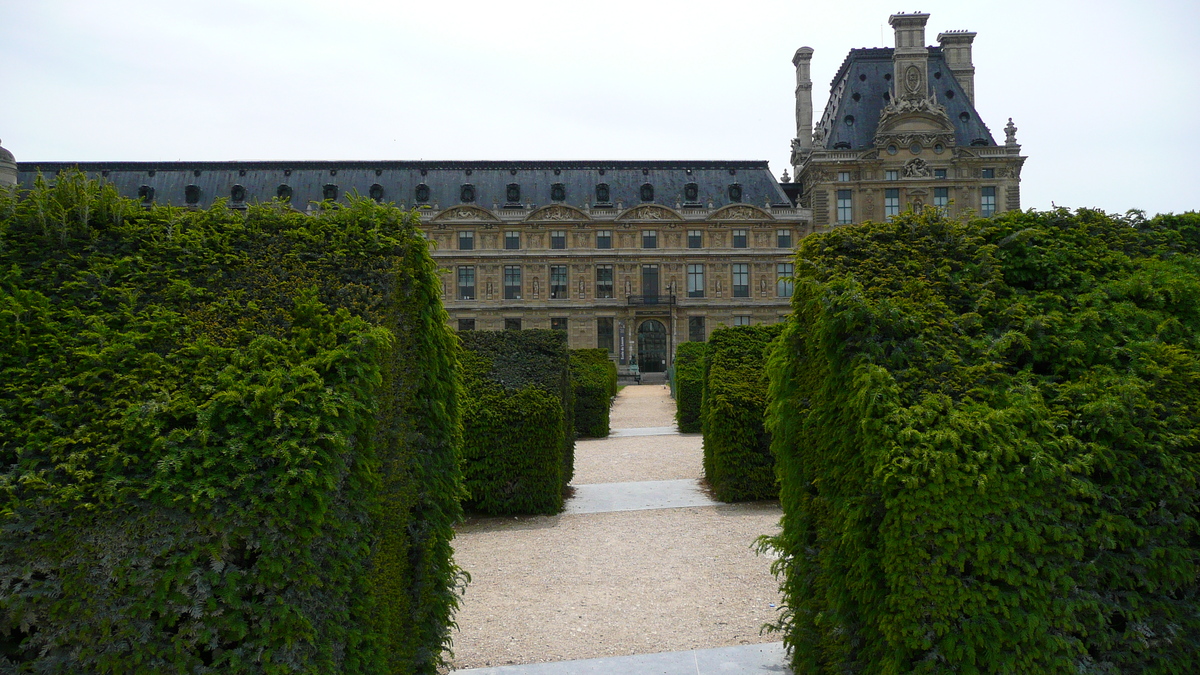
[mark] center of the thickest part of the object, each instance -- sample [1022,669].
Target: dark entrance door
[652,346]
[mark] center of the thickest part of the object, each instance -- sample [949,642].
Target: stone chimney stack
[911,57]
[8,168]
[956,49]
[804,106]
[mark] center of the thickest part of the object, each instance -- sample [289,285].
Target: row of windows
[558,193]
[894,174]
[891,202]
[558,239]
[560,290]
[605,331]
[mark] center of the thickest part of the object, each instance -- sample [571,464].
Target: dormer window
[466,193]
[422,193]
[735,193]
[558,192]
[602,195]
[647,192]
[512,193]
[691,193]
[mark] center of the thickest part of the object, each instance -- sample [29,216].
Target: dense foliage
[228,439]
[988,437]
[689,385]
[594,378]
[518,426]
[737,448]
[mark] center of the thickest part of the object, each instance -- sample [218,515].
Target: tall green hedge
[594,378]
[988,438]
[689,385]
[518,420]
[228,438]
[737,449]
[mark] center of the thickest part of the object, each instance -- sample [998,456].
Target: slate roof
[399,180]
[864,71]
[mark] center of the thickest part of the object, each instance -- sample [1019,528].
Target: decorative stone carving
[1010,133]
[649,212]
[557,212]
[469,213]
[916,168]
[741,212]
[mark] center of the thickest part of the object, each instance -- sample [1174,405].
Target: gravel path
[555,588]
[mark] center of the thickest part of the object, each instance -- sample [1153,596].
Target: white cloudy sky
[1106,94]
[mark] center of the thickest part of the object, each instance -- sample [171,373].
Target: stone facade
[901,131]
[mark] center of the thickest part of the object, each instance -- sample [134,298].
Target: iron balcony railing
[650,300]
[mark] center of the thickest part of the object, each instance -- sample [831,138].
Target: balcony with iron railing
[650,300]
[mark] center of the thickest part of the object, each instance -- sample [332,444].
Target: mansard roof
[539,181]
[867,72]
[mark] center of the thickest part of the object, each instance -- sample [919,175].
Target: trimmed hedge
[737,449]
[689,385]
[988,438]
[228,439]
[594,378]
[518,426]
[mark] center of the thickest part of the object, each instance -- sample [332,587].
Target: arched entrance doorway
[652,346]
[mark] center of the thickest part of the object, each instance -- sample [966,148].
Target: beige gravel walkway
[608,584]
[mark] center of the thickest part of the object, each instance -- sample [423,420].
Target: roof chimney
[804,107]
[956,49]
[911,57]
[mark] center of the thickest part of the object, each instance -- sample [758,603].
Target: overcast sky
[1104,94]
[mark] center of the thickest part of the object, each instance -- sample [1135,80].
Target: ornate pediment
[740,212]
[914,120]
[557,213]
[465,213]
[649,213]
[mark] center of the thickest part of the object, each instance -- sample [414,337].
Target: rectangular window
[512,241]
[558,282]
[845,214]
[939,173]
[558,239]
[604,281]
[739,239]
[466,282]
[466,240]
[603,238]
[783,279]
[783,238]
[741,321]
[512,324]
[558,323]
[650,281]
[941,197]
[466,324]
[891,202]
[891,174]
[988,173]
[696,329]
[604,333]
[649,238]
[987,202]
[741,280]
[843,176]
[695,278]
[695,238]
[512,282]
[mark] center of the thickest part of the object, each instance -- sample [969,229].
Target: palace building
[638,256]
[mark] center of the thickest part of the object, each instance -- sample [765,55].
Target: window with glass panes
[604,281]
[512,282]
[466,240]
[741,280]
[558,323]
[741,320]
[987,202]
[558,282]
[558,239]
[783,279]
[649,238]
[891,202]
[843,176]
[783,238]
[603,238]
[604,333]
[512,324]
[939,173]
[695,329]
[739,238]
[941,197]
[695,238]
[695,281]
[845,213]
[466,324]
[466,282]
[512,241]
[987,173]
[891,174]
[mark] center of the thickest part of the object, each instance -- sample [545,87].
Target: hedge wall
[518,426]
[228,438]
[737,449]
[689,385]
[988,438]
[594,378]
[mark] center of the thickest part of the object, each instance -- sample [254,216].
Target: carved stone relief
[649,212]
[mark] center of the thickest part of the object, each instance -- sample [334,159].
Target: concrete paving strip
[644,495]
[747,659]
[643,431]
